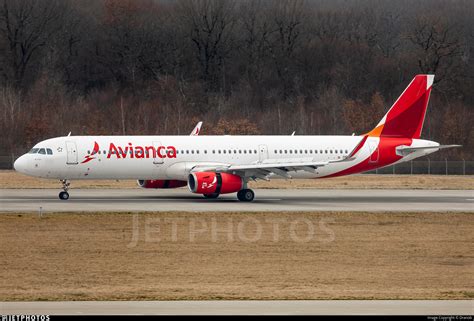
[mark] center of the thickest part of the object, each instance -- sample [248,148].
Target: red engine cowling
[161,183]
[214,183]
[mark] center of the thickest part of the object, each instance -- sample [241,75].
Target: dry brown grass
[75,256]
[12,179]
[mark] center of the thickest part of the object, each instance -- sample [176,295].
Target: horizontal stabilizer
[405,150]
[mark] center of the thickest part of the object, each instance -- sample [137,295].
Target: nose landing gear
[64,195]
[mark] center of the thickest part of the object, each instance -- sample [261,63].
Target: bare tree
[288,25]
[439,45]
[27,25]
[255,35]
[209,24]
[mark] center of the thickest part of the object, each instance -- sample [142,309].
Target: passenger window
[245,151]
[187,151]
[255,151]
[224,151]
[50,152]
[197,152]
[42,151]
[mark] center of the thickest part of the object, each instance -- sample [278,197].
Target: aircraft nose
[20,164]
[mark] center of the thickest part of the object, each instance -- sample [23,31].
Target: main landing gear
[246,195]
[64,195]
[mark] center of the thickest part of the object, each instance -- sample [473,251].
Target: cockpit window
[33,151]
[50,152]
[42,151]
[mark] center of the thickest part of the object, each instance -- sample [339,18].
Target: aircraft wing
[262,170]
[196,129]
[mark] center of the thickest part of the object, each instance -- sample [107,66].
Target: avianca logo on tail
[131,151]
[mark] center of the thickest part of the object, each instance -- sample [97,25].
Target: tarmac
[134,200]
[287,307]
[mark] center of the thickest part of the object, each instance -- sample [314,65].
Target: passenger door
[71,153]
[262,152]
[374,152]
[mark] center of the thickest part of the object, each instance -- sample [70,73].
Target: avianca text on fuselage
[131,151]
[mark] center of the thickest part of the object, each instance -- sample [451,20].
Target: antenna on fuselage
[69,134]
[293,133]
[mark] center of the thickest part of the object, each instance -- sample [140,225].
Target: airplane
[215,165]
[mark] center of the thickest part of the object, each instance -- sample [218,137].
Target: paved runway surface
[338,307]
[265,200]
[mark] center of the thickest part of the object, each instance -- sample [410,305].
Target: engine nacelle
[214,183]
[161,183]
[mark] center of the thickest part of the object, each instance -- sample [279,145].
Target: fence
[420,166]
[430,167]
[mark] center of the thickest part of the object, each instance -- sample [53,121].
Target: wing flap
[263,170]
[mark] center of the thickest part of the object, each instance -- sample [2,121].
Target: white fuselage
[173,157]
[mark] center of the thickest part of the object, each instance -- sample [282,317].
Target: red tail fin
[405,118]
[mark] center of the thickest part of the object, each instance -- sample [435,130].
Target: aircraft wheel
[64,196]
[246,195]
